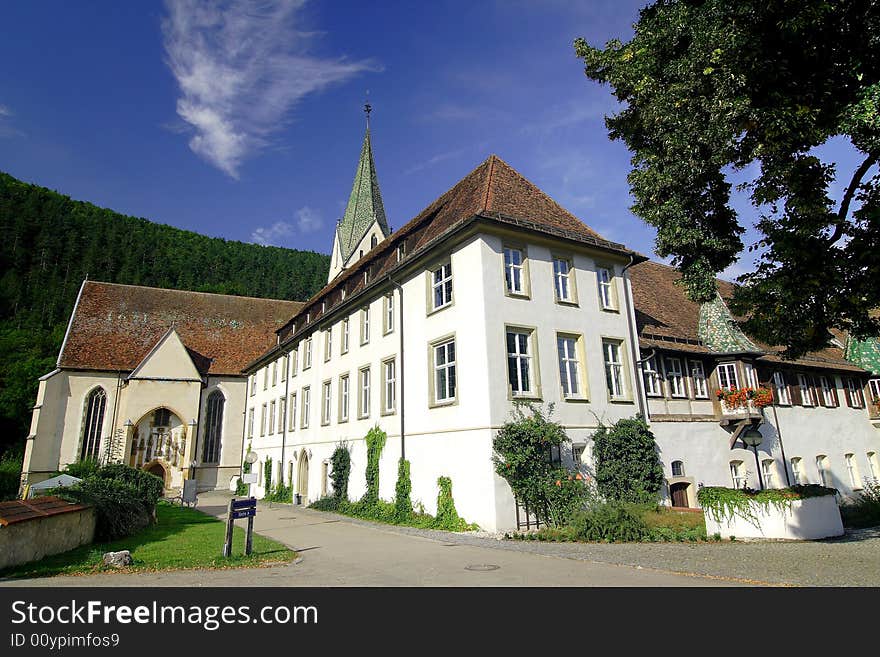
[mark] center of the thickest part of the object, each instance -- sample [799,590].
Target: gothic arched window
[213,428]
[94,422]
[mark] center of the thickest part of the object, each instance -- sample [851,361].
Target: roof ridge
[174,289]
[491,160]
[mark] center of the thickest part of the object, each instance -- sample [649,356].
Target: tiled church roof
[494,191]
[114,326]
[667,319]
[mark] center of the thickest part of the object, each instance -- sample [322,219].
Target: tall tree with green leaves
[716,87]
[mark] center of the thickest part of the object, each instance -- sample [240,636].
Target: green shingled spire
[364,204]
[864,353]
[718,330]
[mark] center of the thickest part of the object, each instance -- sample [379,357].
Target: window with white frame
[345,332]
[698,376]
[291,409]
[569,366]
[294,358]
[562,279]
[263,419]
[389,386]
[852,469]
[284,360]
[675,378]
[325,402]
[274,373]
[806,390]
[874,388]
[614,379]
[328,344]
[251,422]
[519,362]
[444,371]
[678,469]
[365,325]
[781,386]
[727,377]
[253,381]
[856,399]
[653,385]
[751,375]
[281,412]
[828,390]
[514,270]
[873,466]
[606,296]
[364,392]
[307,353]
[305,412]
[343,397]
[797,471]
[738,474]
[266,378]
[768,470]
[822,468]
[389,313]
[441,286]
[271,424]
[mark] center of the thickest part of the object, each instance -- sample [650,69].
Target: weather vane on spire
[367,107]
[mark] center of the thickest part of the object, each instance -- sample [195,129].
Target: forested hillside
[50,243]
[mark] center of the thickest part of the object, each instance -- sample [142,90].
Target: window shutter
[833,380]
[845,381]
[794,388]
[818,395]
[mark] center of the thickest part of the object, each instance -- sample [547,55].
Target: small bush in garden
[522,456]
[124,499]
[280,493]
[403,489]
[864,511]
[241,488]
[627,466]
[82,469]
[267,475]
[340,463]
[609,521]
[447,516]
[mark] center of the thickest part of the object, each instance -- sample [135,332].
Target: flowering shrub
[740,397]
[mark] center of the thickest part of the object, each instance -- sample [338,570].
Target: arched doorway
[160,434]
[156,468]
[302,477]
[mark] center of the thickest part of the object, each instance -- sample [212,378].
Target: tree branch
[848,196]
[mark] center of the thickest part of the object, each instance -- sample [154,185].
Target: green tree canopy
[716,87]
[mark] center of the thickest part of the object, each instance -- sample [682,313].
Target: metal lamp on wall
[751,437]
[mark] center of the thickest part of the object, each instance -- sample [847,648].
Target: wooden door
[679,494]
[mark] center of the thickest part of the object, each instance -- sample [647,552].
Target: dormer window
[401,251]
[373,242]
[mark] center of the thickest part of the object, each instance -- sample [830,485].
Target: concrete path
[337,552]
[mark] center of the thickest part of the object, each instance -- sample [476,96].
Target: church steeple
[364,215]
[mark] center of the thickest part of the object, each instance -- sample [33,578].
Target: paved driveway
[338,551]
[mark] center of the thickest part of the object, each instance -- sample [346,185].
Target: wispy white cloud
[569,114]
[309,220]
[431,161]
[306,221]
[6,127]
[272,235]
[242,67]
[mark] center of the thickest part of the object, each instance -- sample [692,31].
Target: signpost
[246,508]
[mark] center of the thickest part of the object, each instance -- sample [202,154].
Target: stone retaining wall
[32,538]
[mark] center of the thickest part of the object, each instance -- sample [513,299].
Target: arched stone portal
[158,445]
[158,469]
[302,477]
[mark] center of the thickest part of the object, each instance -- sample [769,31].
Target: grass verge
[182,538]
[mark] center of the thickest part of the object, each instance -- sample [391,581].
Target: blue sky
[245,121]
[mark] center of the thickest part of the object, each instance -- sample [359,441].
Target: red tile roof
[667,319]
[494,191]
[114,327]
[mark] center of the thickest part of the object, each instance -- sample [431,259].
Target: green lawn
[182,538]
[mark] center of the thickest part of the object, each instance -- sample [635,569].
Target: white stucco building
[491,295]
